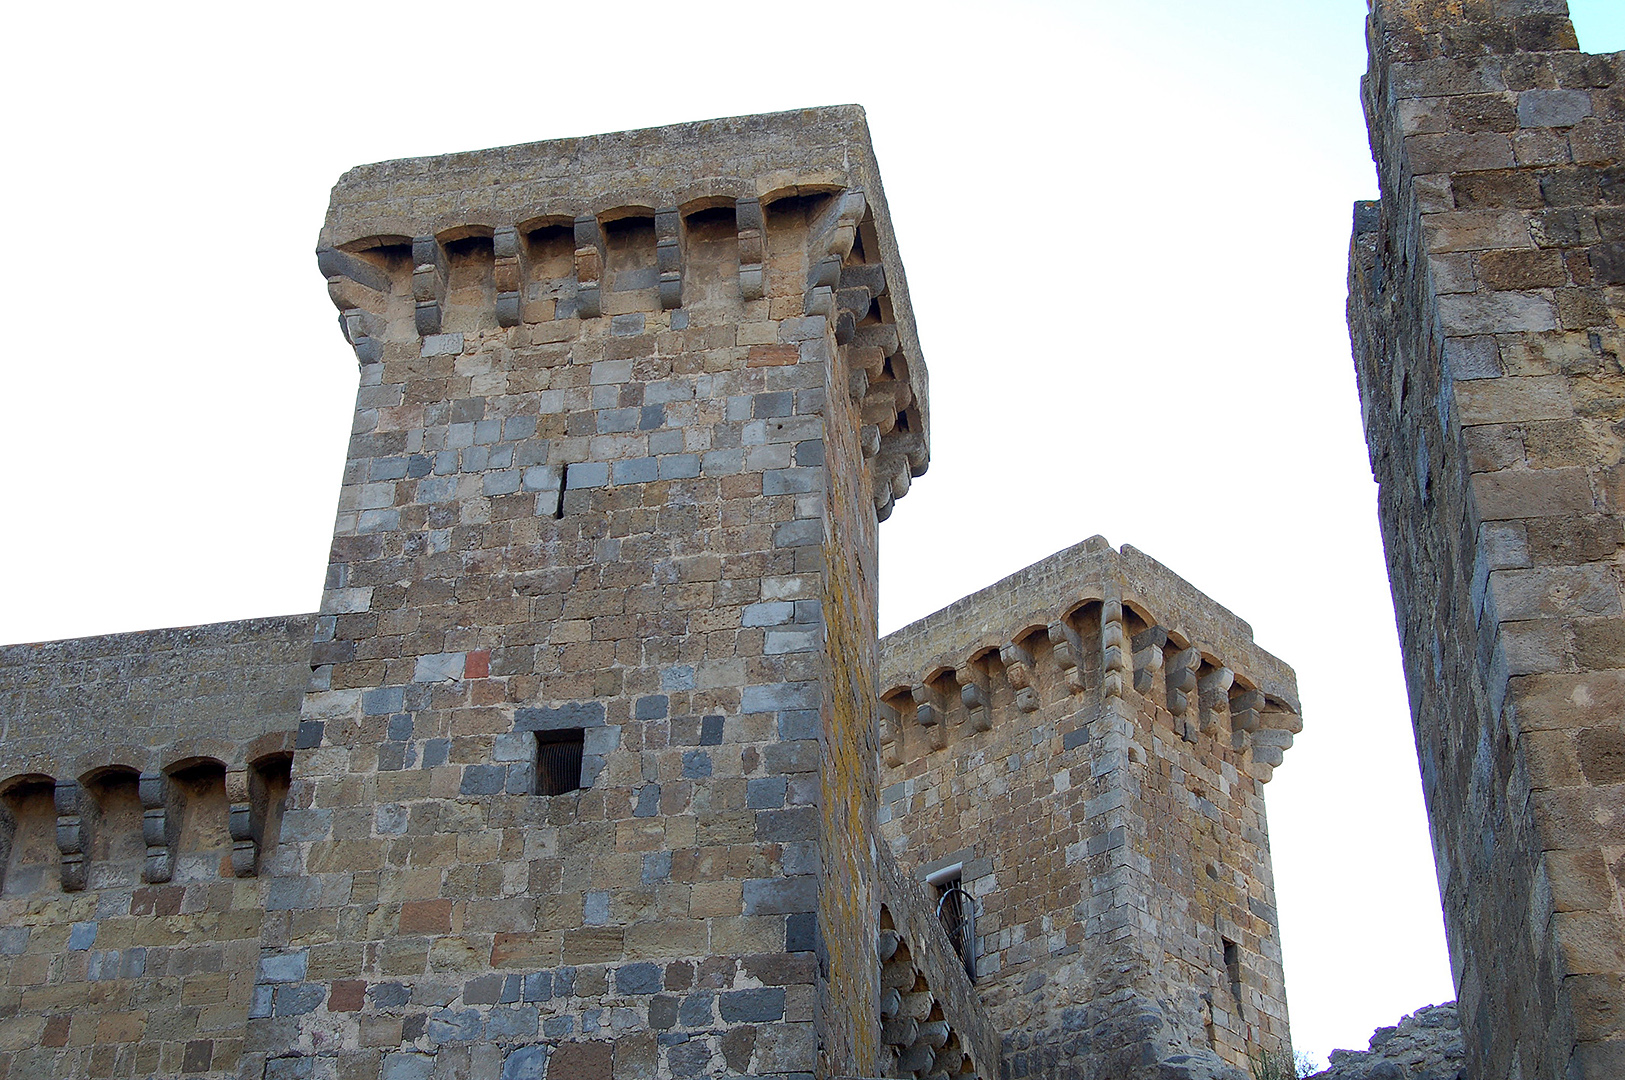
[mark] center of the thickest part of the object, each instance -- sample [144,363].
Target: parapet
[1143,612]
[527,204]
[150,700]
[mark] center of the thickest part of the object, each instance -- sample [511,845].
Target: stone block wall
[143,780]
[1487,311]
[1088,741]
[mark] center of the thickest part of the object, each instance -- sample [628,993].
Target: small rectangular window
[558,761]
[1232,966]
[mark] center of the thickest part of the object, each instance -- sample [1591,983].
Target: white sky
[1125,228]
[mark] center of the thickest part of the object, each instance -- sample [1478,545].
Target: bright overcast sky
[1124,225]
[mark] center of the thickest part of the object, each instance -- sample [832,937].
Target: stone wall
[1488,317]
[1088,741]
[145,775]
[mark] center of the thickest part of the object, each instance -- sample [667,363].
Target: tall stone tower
[1487,309]
[598,627]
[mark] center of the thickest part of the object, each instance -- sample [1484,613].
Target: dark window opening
[558,761]
[1232,966]
[564,485]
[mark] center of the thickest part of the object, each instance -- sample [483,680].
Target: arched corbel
[1113,661]
[1018,668]
[153,789]
[1067,647]
[748,220]
[669,256]
[589,266]
[512,272]
[430,269]
[72,835]
[973,692]
[1148,645]
[1214,697]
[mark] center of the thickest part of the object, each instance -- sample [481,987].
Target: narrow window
[564,485]
[956,909]
[558,761]
[1232,966]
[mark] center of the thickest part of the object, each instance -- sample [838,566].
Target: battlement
[761,230]
[1103,620]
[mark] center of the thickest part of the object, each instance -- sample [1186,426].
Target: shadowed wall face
[1486,307]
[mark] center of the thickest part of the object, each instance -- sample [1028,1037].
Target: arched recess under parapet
[200,819]
[28,851]
[110,820]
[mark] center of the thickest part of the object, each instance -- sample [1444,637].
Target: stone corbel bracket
[360,291]
[156,831]
[748,221]
[430,269]
[669,256]
[589,266]
[975,694]
[245,841]
[1148,648]
[512,273]
[72,835]
[1018,668]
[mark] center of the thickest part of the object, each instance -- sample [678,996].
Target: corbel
[71,834]
[429,271]
[748,220]
[669,256]
[512,273]
[856,289]
[1067,647]
[1245,708]
[359,290]
[245,848]
[153,789]
[589,266]
[928,713]
[1148,646]
[1214,697]
[1018,668]
[973,691]
[1113,662]
[1182,680]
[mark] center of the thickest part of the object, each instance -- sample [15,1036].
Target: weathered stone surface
[1425,1045]
[1498,464]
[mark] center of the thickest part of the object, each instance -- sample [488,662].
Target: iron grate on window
[558,761]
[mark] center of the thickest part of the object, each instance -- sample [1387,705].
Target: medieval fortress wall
[592,764]
[1487,309]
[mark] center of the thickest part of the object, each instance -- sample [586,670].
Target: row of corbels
[77,818]
[846,292]
[361,316]
[912,1028]
[1200,694]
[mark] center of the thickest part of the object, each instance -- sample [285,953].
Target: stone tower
[1487,310]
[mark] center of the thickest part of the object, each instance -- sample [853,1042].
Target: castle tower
[1487,311]
[1083,748]
[592,709]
